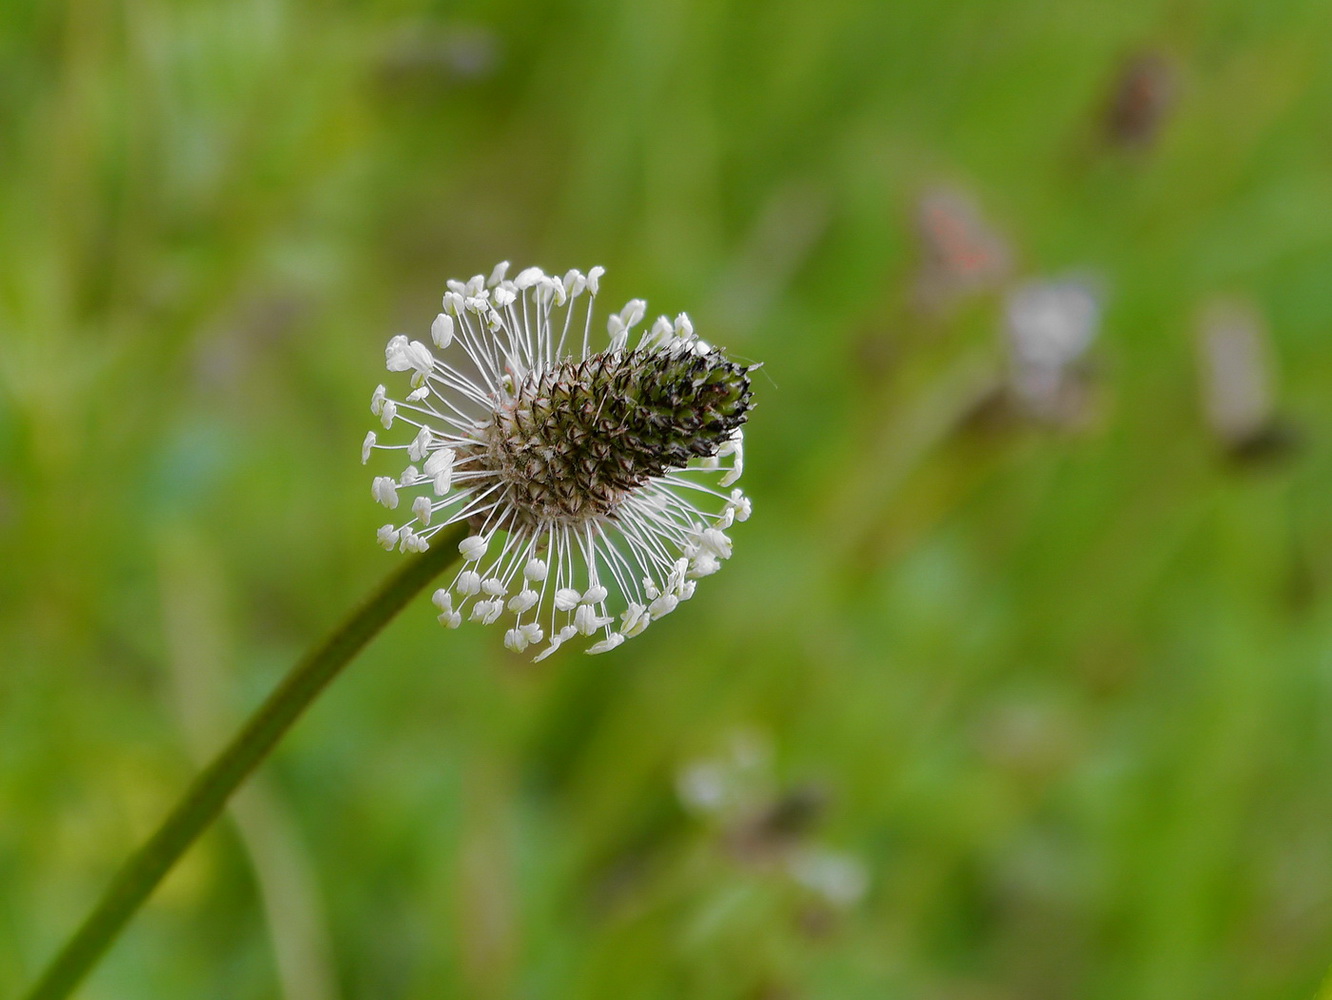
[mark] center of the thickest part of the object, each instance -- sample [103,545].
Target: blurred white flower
[1050,325]
[841,879]
[732,785]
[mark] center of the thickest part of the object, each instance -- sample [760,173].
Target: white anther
[473,547]
[683,327]
[385,491]
[403,355]
[741,505]
[633,312]
[738,464]
[663,606]
[387,412]
[535,570]
[450,619]
[677,574]
[417,449]
[409,476]
[439,466]
[634,619]
[440,461]
[497,275]
[377,401]
[442,599]
[422,508]
[594,279]
[441,331]
[558,640]
[416,395]
[387,536]
[704,564]
[453,302]
[606,644]
[595,594]
[566,598]
[587,621]
[716,542]
[486,612]
[549,290]
[515,640]
[658,336]
[469,583]
[366,447]
[528,277]
[523,601]
[493,587]
[505,297]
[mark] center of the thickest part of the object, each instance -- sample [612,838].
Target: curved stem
[204,799]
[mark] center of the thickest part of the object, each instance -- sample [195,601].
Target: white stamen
[441,331]
[385,491]
[473,547]
[606,644]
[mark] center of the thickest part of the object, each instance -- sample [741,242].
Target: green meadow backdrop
[1002,697]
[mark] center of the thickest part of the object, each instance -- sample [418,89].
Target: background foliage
[1061,691]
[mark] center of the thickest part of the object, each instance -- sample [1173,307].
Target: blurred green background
[1006,701]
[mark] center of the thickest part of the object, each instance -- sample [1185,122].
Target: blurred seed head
[1141,98]
[962,254]
[1238,381]
[736,794]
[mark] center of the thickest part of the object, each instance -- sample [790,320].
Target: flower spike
[596,483]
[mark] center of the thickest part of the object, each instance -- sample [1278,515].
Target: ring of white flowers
[556,580]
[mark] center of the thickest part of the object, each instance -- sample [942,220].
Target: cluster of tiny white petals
[601,578]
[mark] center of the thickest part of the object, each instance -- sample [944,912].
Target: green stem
[201,804]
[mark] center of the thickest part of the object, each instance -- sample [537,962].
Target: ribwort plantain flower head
[597,482]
